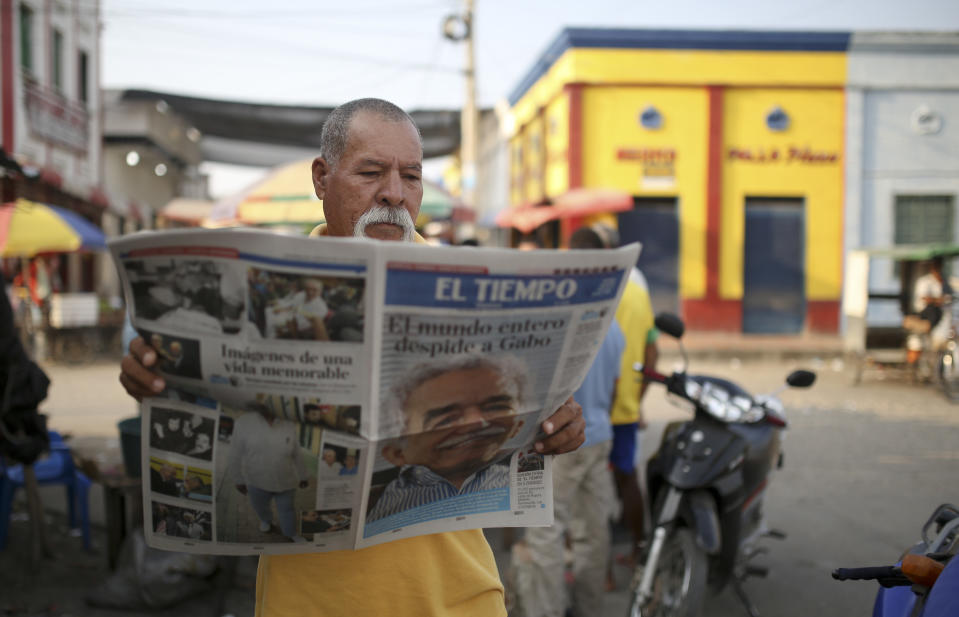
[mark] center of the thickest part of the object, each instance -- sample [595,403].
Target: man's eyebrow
[438,412]
[379,163]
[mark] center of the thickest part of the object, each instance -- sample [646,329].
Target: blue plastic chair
[57,468]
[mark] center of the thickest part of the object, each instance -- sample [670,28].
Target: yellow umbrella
[28,228]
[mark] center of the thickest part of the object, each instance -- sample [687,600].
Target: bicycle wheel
[948,370]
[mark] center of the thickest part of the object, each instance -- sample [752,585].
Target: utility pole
[460,28]
[469,122]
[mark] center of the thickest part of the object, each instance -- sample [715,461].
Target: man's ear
[393,452]
[321,171]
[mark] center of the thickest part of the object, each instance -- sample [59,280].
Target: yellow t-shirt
[444,574]
[635,318]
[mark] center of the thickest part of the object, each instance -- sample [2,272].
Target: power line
[257,14]
[324,53]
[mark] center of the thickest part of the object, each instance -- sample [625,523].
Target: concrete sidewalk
[58,585]
[749,346]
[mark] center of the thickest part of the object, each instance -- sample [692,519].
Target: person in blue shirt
[349,464]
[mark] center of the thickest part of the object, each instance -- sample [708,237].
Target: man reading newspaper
[368,175]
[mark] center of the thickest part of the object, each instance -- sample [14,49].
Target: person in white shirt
[310,315]
[330,467]
[931,294]
[267,466]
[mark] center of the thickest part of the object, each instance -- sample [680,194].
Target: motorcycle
[706,483]
[925,580]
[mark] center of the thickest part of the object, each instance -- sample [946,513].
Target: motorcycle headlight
[718,402]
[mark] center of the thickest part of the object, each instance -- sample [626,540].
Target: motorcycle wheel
[949,373]
[679,587]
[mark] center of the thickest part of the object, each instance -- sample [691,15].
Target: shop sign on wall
[791,154]
[657,165]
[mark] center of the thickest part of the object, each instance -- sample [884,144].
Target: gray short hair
[336,128]
[513,373]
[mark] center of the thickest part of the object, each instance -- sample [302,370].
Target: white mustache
[389,216]
[485,433]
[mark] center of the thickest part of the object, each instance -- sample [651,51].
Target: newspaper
[336,393]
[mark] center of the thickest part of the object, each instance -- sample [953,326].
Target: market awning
[283,196]
[574,203]
[189,211]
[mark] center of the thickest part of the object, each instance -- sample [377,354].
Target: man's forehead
[382,137]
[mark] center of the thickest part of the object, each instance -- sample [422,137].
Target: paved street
[864,468]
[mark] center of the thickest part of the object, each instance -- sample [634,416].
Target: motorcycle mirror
[801,379]
[670,324]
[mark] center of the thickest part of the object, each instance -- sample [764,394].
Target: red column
[574,149]
[712,312]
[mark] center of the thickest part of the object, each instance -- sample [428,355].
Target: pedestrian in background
[582,496]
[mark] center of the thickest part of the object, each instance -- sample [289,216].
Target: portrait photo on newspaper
[297,306]
[462,418]
[187,294]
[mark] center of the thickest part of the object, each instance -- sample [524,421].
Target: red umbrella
[527,217]
[586,201]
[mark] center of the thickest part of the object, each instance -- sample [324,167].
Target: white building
[151,155]
[902,148]
[50,125]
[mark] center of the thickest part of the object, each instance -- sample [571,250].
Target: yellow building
[731,144]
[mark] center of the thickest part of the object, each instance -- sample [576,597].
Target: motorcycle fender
[705,521]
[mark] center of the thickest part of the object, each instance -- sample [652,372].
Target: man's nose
[391,190]
[473,414]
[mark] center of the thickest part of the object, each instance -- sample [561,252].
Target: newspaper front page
[336,393]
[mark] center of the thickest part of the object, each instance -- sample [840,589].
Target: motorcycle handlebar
[887,576]
[673,383]
[652,375]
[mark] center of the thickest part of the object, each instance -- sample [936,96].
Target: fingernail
[158,385]
[539,446]
[149,357]
[548,427]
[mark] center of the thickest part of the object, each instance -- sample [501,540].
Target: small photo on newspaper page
[177,355]
[286,305]
[186,525]
[182,432]
[340,478]
[178,451]
[200,295]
